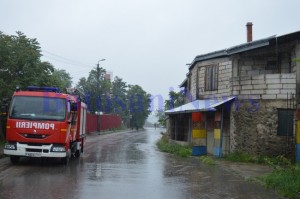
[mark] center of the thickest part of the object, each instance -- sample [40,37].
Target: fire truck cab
[42,122]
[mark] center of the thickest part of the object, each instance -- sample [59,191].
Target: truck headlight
[10,146]
[57,148]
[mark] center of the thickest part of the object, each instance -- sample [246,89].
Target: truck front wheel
[14,159]
[66,159]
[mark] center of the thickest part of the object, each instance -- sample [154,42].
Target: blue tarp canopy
[200,105]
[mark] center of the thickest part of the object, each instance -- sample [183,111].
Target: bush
[285,181]
[285,177]
[207,160]
[164,146]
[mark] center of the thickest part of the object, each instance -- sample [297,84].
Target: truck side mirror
[4,110]
[73,106]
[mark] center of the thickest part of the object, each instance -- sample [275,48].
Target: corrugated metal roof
[249,45]
[199,106]
[242,47]
[233,50]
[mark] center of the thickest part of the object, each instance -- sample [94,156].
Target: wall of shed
[179,127]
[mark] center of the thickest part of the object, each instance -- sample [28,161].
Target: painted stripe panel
[199,142]
[217,133]
[199,150]
[217,142]
[197,117]
[217,151]
[199,133]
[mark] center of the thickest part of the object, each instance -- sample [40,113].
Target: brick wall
[266,86]
[224,77]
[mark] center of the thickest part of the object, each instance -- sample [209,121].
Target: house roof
[184,83]
[233,50]
[244,47]
[199,106]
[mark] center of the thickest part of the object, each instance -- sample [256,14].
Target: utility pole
[98,93]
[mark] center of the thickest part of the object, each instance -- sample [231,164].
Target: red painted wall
[107,122]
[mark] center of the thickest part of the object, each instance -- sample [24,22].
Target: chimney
[249,31]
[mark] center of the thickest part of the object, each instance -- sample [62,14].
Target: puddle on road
[94,171]
[134,168]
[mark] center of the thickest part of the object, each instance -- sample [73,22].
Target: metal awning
[200,105]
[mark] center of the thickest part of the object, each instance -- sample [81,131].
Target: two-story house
[243,98]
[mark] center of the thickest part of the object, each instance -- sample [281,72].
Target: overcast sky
[145,42]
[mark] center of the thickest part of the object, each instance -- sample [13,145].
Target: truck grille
[38,150]
[34,136]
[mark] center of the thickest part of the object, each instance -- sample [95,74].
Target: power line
[66,62]
[64,59]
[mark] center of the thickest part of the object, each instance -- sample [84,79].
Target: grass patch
[179,150]
[258,159]
[207,160]
[285,180]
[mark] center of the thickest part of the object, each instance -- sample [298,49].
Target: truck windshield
[38,108]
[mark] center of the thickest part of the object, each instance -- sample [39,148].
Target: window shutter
[215,78]
[208,78]
[285,122]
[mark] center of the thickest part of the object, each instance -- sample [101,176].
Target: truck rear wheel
[77,153]
[14,159]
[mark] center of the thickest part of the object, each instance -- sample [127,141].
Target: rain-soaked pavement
[123,165]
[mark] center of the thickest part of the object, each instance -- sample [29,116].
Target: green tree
[97,90]
[20,64]
[176,99]
[119,98]
[139,104]
[61,79]
[161,117]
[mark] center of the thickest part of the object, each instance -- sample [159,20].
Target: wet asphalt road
[123,165]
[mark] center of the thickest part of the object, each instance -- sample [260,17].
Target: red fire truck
[42,122]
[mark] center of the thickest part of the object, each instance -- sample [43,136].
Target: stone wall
[255,131]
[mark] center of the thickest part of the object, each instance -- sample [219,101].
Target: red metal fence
[105,122]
